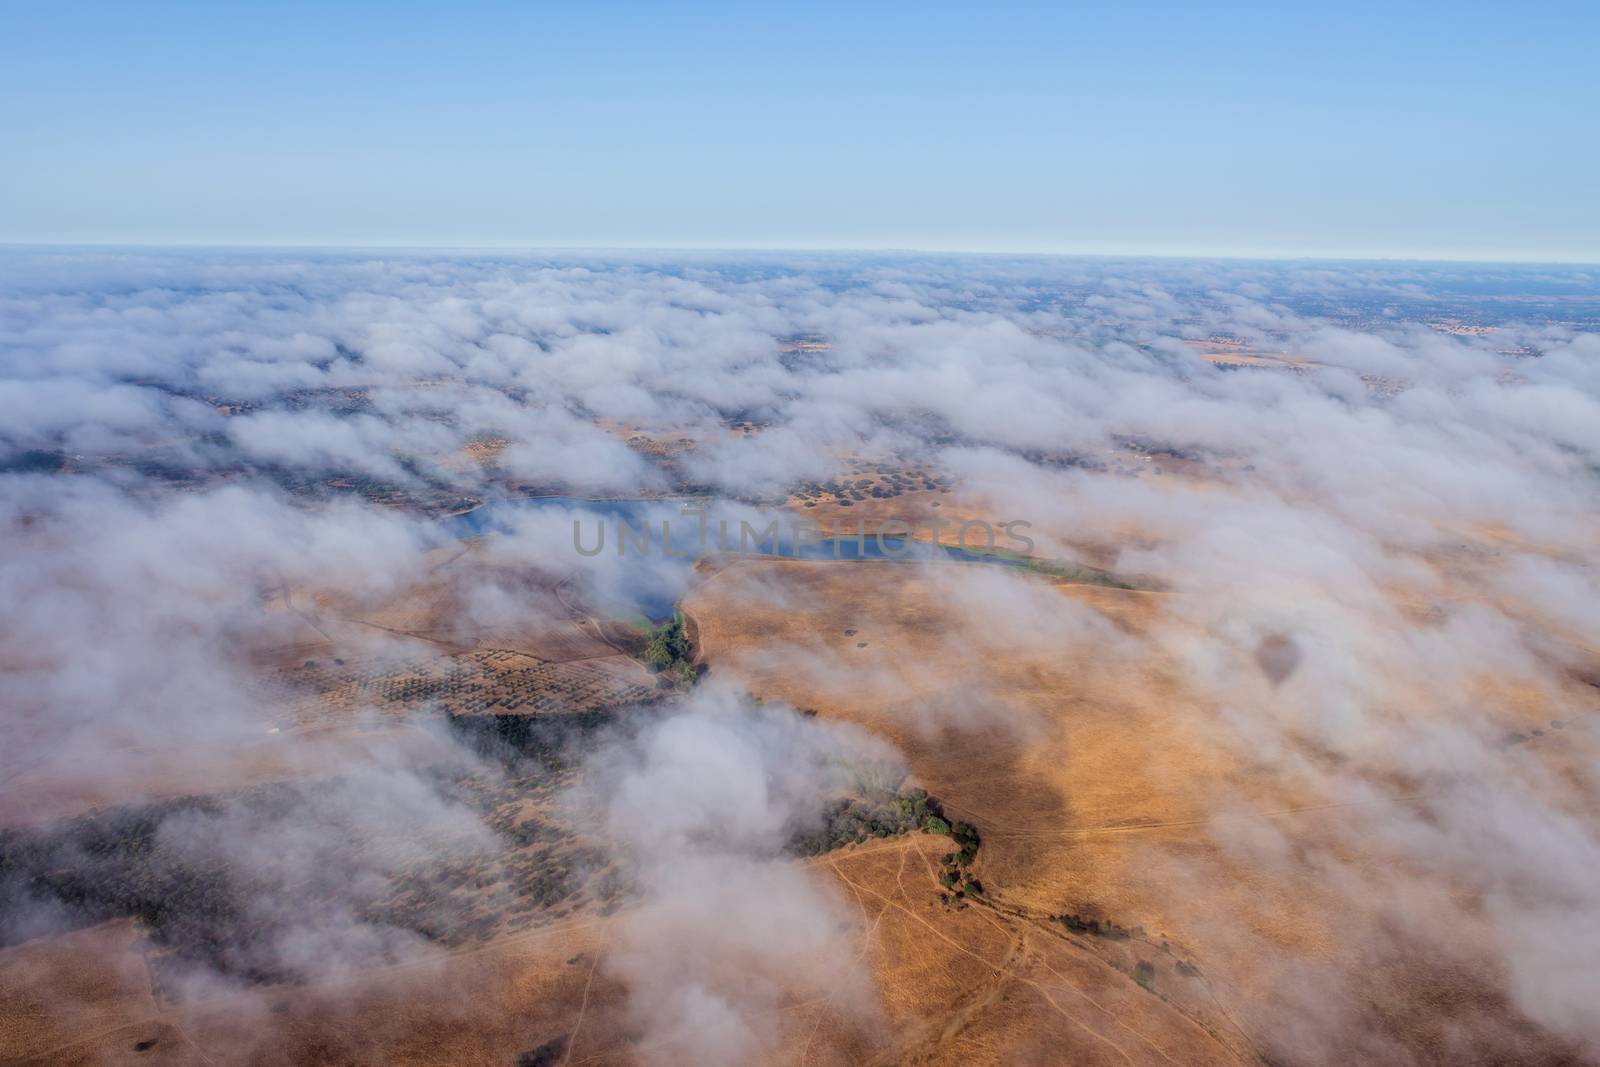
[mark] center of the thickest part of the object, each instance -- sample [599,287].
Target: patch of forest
[550,743]
[270,883]
[853,819]
[670,653]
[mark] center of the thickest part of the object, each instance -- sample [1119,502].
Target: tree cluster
[669,652]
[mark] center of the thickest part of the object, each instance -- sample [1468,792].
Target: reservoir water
[647,576]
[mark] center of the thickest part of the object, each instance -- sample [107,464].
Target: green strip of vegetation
[956,875]
[1052,568]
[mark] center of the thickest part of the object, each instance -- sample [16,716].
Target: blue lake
[648,577]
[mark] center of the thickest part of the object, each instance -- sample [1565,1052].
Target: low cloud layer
[1378,518]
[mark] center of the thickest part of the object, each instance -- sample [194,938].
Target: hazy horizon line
[859,250]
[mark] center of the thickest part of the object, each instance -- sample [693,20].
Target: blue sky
[1444,131]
